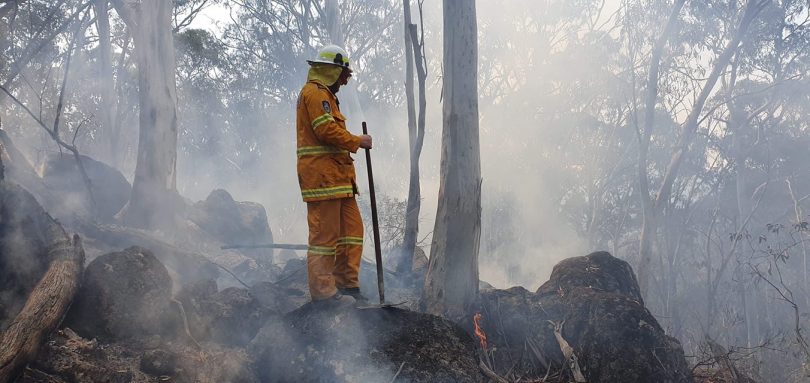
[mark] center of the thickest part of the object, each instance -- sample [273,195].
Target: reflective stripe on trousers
[334,191]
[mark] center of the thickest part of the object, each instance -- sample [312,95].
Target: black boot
[355,293]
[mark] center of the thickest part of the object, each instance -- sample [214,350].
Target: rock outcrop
[231,316]
[593,303]
[230,221]
[110,188]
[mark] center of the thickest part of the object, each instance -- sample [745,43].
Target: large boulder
[593,303]
[229,221]
[110,189]
[123,295]
[363,345]
[26,234]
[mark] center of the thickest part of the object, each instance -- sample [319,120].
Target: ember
[479,332]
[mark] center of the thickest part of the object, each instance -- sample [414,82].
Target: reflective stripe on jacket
[325,168]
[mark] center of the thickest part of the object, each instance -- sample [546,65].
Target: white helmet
[332,54]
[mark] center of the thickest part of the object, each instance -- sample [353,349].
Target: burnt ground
[366,345]
[67,357]
[593,301]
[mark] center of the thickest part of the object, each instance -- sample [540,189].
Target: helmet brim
[310,62]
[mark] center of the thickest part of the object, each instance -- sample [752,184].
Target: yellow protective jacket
[325,168]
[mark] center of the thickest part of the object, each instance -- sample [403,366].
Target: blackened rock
[26,233]
[276,298]
[252,270]
[233,222]
[620,340]
[231,316]
[124,294]
[599,271]
[593,301]
[293,280]
[367,345]
[110,189]
[237,316]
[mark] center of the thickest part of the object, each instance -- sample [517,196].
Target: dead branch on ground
[185,323]
[568,352]
[490,374]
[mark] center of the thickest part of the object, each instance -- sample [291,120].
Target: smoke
[526,147]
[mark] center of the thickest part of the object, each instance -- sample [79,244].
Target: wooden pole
[374,223]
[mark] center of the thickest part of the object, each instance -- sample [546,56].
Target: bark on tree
[154,189]
[2,167]
[649,219]
[451,283]
[333,23]
[416,136]
[106,82]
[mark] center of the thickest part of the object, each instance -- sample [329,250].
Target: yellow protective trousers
[335,246]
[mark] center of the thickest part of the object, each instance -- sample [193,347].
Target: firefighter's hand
[365,141]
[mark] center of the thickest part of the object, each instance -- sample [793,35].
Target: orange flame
[479,332]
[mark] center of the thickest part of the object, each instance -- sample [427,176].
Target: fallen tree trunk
[44,309]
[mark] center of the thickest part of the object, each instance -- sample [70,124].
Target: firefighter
[328,184]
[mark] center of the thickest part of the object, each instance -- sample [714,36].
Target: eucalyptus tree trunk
[411,225]
[106,83]
[154,189]
[334,26]
[416,136]
[736,124]
[451,283]
[649,225]
[332,21]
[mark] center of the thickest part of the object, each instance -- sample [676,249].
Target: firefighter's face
[344,77]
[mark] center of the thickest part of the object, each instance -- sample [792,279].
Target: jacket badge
[326,107]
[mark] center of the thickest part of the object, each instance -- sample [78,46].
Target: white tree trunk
[416,136]
[348,94]
[649,226]
[154,187]
[106,84]
[451,284]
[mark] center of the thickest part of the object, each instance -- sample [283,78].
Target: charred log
[26,228]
